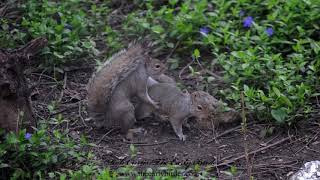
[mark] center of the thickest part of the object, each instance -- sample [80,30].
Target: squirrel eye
[199,107]
[157,66]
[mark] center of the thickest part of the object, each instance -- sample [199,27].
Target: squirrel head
[155,67]
[203,104]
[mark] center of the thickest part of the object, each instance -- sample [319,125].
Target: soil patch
[272,156]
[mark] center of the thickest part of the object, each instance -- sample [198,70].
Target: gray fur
[177,106]
[121,78]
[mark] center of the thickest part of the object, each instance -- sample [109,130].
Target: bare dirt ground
[274,156]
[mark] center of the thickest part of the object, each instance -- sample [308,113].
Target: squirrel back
[104,81]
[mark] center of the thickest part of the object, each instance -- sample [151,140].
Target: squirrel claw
[157,105]
[182,137]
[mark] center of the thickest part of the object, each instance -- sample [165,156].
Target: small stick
[253,152]
[184,68]
[174,49]
[227,132]
[71,106]
[244,130]
[214,132]
[64,87]
[308,142]
[42,74]
[152,144]
[98,142]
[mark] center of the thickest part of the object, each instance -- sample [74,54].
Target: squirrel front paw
[156,105]
[182,137]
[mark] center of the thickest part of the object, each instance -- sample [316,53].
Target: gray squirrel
[121,78]
[176,105]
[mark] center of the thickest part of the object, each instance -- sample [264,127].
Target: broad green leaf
[276,91]
[285,100]
[279,115]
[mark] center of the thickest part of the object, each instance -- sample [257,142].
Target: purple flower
[269,31]
[27,136]
[247,22]
[204,31]
[241,13]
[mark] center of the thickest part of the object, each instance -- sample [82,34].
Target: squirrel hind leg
[127,118]
[143,110]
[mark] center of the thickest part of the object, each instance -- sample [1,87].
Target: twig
[3,10]
[307,142]
[71,106]
[146,144]
[219,78]
[64,87]
[182,70]
[244,130]
[253,152]
[216,164]
[81,115]
[49,77]
[98,142]
[313,150]
[152,144]
[278,165]
[214,132]
[174,49]
[227,132]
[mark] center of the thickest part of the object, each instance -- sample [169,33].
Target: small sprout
[247,22]
[197,168]
[193,72]
[133,150]
[196,53]
[233,170]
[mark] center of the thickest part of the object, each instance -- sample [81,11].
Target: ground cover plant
[269,50]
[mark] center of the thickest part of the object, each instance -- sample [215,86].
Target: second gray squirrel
[175,105]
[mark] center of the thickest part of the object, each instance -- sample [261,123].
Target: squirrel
[176,105]
[121,78]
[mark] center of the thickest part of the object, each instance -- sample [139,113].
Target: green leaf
[157,29]
[132,148]
[276,91]
[279,115]
[87,44]
[315,46]
[285,100]
[51,175]
[4,165]
[173,2]
[245,88]
[58,55]
[12,139]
